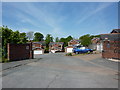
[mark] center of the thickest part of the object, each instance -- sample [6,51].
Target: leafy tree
[66,40]
[94,36]
[48,39]
[38,36]
[30,35]
[56,39]
[85,40]
[8,36]
[69,38]
[15,37]
[23,38]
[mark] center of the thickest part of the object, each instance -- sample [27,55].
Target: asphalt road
[59,71]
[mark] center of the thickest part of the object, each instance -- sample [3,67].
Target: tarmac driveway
[59,71]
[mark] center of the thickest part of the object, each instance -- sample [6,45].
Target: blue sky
[61,19]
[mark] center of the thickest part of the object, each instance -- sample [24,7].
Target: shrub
[4,60]
[69,54]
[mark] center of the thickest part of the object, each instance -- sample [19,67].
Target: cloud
[100,8]
[37,16]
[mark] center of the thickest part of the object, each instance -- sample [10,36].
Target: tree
[56,39]
[94,36]
[9,36]
[6,38]
[30,35]
[15,37]
[23,38]
[38,36]
[85,40]
[48,39]
[66,40]
[69,38]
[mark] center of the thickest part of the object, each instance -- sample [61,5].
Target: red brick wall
[19,51]
[111,49]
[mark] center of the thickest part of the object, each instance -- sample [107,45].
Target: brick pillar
[8,51]
[31,51]
[119,50]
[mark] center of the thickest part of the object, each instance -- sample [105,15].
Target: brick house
[73,42]
[38,47]
[97,44]
[111,44]
[56,46]
[71,45]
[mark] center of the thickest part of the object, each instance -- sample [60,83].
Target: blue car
[78,50]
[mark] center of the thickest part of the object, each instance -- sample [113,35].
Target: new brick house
[71,45]
[56,46]
[73,42]
[111,44]
[38,47]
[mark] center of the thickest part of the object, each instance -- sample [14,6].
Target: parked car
[78,50]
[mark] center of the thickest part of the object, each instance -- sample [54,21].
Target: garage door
[38,52]
[69,50]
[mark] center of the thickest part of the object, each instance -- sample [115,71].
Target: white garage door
[38,52]
[69,50]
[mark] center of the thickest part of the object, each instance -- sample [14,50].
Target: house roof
[113,37]
[97,38]
[75,40]
[52,43]
[115,31]
[41,42]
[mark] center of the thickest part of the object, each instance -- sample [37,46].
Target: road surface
[59,71]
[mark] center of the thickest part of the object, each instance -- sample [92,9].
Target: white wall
[69,50]
[38,51]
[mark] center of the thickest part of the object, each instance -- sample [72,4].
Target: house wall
[19,51]
[100,47]
[60,47]
[111,49]
[111,45]
[68,49]
[93,46]
[36,52]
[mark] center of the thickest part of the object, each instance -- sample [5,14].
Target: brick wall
[19,51]
[111,49]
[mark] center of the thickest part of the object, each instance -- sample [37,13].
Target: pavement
[97,59]
[14,64]
[60,71]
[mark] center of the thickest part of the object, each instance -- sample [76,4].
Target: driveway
[59,71]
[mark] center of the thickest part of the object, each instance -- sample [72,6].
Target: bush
[69,54]
[4,60]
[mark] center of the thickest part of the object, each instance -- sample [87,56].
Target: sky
[61,19]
